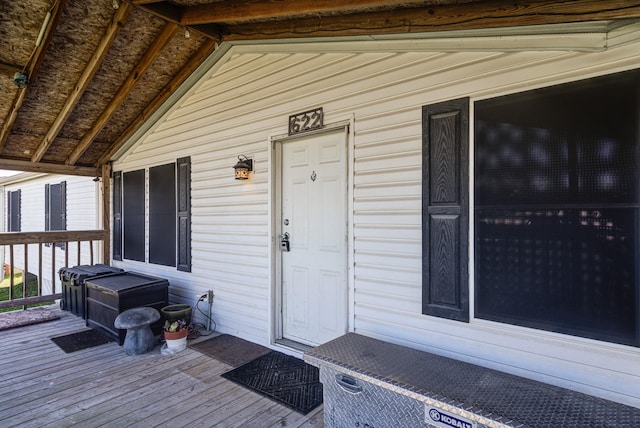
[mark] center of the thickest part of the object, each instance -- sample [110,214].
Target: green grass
[32,290]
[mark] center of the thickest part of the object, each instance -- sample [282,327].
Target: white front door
[313,214]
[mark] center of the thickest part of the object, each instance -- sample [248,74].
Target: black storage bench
[74,293]
[108,296]
[371,383]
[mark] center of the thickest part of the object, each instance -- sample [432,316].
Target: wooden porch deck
[41,386]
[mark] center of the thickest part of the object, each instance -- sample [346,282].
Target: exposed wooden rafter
[205,50]
[85,79]
[32,70]
[249,10]
[152,53]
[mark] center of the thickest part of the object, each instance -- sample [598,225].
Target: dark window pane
[570,271]
[133,215]
[572,143]
[162,215]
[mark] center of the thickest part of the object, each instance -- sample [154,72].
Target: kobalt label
[442,419]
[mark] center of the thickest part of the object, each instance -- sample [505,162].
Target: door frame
[276,306]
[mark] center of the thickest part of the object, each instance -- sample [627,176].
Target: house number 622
[306,121]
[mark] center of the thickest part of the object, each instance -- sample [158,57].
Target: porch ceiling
[78,78]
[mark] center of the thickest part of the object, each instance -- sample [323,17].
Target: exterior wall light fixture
[243,167]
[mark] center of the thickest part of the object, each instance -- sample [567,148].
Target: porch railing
[70,248]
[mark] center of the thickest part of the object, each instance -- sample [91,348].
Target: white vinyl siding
[242,102]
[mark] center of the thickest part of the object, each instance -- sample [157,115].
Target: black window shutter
[117,216]
[13,211]
[445,209]
[56,210]
[63,206]
[18,206]
[47,203]
[184,213]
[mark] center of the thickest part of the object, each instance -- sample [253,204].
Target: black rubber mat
[283,378]
[80,340]
[230,349]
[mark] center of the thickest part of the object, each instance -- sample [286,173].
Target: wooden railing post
[106,212]
[11,272]
[25,273]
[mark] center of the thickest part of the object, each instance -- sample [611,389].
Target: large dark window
[557,208]
[168,216]
[13,211]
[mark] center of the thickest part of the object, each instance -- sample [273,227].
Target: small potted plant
[175,333]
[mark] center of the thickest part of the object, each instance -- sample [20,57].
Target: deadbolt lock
[284,242]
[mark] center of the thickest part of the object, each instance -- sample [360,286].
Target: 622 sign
[306,121]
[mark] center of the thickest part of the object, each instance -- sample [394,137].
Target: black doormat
[80,340]
[283,378]
[230,349]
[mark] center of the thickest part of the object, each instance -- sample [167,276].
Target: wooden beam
[10,69]
[32,71]
[251,10]
[210,31]
[173,13]
[149,57]
[106,212]
[467,16]
[163,9]
[203,52]
[48,168]
[90,70]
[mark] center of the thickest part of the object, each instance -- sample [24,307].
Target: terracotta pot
[175,335]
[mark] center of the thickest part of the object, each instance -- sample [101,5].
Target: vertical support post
[106,212]
[25,275]
[12,272]
[40,269]
[53,268]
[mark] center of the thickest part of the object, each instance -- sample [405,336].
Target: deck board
[102,386]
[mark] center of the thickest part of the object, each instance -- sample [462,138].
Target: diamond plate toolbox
[366,405]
